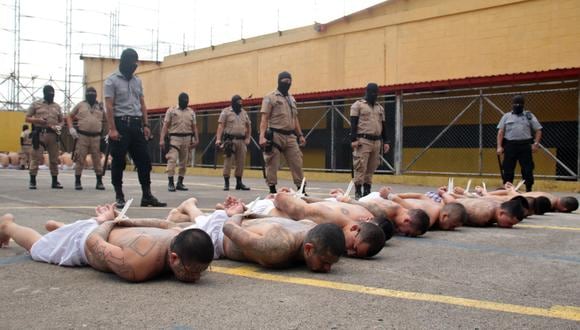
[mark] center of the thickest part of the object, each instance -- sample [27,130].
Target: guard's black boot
[180,185]
[357,191]
[55,183]
[226,183]
[78,185]
[148,199]
[32,184]
[528,187]
[272,189]
[170,184]
[366,189]
[100,185]
[240,185]
[119,197]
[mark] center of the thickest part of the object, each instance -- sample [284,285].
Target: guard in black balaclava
[91,95]
[183,101]
[236,104]
[283,87]
[518,104]
[48,93]
[128,63]
[372,93]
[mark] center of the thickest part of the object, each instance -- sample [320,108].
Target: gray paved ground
[412,283]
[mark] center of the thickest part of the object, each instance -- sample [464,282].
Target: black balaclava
[283,87]
[518,104]
[372,93]
[183,101]
[48,92]
[236,106]
[91,95]
[128,63]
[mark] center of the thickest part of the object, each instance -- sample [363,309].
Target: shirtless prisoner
[534,203]
[363,238]
[408,222]
[272,242]
[564,204]
[140,251]
[482,212]
[441,216]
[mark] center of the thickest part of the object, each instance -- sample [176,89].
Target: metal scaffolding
[20,87]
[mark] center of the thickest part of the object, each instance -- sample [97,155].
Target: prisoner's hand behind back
[336,192]
[105,212]
[442,190]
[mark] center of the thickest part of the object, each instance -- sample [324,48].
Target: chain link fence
[456,134]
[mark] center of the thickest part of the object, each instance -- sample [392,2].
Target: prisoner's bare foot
[52,225]
[188,203]
[177,216]
[5,220]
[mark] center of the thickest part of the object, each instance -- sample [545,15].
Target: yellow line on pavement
[549,227]
[556,311]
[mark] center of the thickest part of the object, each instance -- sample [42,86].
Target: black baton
[107,152]
[500,168]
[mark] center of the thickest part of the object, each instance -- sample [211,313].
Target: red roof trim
[511,78]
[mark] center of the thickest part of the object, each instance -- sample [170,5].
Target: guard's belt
[181,134]
[92,134]
[369,137]
[282,131]
[234,137]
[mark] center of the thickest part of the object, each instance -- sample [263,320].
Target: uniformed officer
[25,147]
[279,132]
[235,126]
[47,119]
[368,136]
[128,127]
[183,136]
[90,118]
[519,134]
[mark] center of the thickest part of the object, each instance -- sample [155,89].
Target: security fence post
[398,156]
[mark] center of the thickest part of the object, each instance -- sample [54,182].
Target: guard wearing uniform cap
[280,132]
[46,116]
[183,137]
[90,117]
[368,136]
[519,134]
[235,125]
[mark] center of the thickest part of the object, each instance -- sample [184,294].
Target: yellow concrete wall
[437,160]
[399,41]
[11,126]
[96,70]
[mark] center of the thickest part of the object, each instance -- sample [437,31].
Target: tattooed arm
[244,240]
[401,200]
[412,195]
[271,249]
[155,223]
[371,207]
[310,200]
[104,256]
